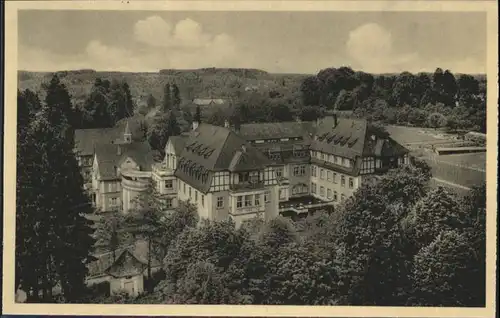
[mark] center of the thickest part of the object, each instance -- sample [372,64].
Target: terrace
[300,205]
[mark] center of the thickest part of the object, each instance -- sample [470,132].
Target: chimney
[226,123]
[119,150]
[195,124]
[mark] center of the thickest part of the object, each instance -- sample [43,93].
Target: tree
[302,277]
[417,117]
[129,101]
[310,89]
[51,201]
[197,115]
[468,86]
[32,100]
[403,90]
[163,126]
[110,233]
[95,108]
[310,113]
[436,120]
[438,211]
[217,117]
[373,252]
[176,98]
[58,108]
[344,101]
[279,112]
[443,274]
[146,219]
[184,216]
[117,102]
[151,101]
[167,98]
[215,246]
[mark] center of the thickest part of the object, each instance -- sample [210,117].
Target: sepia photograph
[221,156]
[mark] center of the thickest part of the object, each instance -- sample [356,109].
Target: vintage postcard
[250,158]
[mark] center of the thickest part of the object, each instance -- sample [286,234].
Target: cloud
[371,48]
[186,34]
[159,45]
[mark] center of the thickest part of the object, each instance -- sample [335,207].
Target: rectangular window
[335,196]
[322,191]
[313,171]
[342,181]
[322,156]
[334,177]
[190,194]
[168,203]
[313,187]
[337,160]
[248,200]
[169,184]
[351,183]
[282,194]
[329,176]
[184,188]
[239,201]
[267,195]
[257,200]
[302,170]
[195,196]
[322,174]
[296,171]
[220,202]
[202,200]
[279,172]
[329,194]
[113,201]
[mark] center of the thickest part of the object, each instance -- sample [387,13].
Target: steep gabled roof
[85,139]
[212,148]
[353,138]
[126,264]
[256,131]
[346,139]
[109,157]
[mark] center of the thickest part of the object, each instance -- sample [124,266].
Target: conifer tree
[53,236]
[176,97]
[197,115]
[58,108]
[129,102]
[167,98]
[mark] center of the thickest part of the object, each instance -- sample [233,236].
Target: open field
[462,169]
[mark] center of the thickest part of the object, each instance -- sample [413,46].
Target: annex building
[258,169]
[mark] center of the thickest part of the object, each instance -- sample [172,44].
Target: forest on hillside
[439,99]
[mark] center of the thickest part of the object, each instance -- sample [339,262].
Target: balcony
[246,186]
[248,210]
[161,170]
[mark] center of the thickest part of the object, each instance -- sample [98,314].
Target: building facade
[255,170]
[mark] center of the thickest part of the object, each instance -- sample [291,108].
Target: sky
[277,42]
